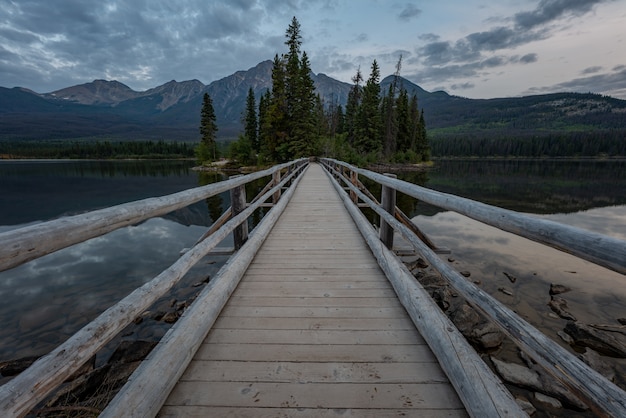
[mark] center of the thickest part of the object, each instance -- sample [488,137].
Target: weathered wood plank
[308,372]
[313,312]
[203,412]
[312,395]
[265,323]
[312,337]
[313,277]
[250,301]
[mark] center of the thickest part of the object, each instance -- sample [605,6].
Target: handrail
[601,395]
[148,387]
[600,249]
[480,390]
[20,395]
[33,241]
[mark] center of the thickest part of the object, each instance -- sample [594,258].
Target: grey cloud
[614,82]
[441,74]
[491,40]
[462,86]
[361,37]
[409,12]
[528,58]
[473,45]
[142,44]
[549,10]
[429,37]
[592,70]
[469,51]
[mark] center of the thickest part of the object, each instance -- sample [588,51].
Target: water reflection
[48,299]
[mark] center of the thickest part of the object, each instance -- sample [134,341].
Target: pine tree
[302,135]
[403,139]
[265,127]
[369,128]
[277,139]
[251,123]
[352,107]
[207,150]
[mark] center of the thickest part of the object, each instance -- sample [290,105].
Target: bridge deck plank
[314,329]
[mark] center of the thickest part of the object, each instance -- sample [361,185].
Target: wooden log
[482,393]
[148,387]
[354,178]
[388,202]
[238,204]
[600,249]
[25,244]
[401,216]
[601,395]
[20,395]
[276,180]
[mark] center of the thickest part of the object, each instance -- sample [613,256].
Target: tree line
[597,143]
[96,150]
[291,120]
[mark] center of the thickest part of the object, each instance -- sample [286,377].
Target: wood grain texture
[314,329]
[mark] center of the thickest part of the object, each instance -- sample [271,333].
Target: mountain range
[111,110]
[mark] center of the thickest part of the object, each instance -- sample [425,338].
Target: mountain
[98,92]
[111,110]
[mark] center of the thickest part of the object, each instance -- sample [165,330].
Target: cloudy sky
[470,48]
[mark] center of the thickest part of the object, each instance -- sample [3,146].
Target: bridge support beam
[388,202]
[238,205]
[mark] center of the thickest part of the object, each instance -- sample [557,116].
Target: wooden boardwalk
[314,329]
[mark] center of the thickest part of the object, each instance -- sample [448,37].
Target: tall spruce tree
[207,149]
[251,122]
[369,128]
[278,117]
[352,107]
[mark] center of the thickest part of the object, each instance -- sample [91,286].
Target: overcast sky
[470,48]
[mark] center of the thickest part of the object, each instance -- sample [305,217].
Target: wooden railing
[20,395]
[601,395]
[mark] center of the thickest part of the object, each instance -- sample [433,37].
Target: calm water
[46,300]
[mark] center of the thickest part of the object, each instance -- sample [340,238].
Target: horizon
[317,74]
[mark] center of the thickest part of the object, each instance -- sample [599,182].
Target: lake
[47,300]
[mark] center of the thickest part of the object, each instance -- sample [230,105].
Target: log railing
[601,395]
[25,391]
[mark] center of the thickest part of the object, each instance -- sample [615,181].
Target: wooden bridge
[313,315]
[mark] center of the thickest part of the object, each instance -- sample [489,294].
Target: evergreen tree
[265,127]
[352,107]
[302,135]
[390,118]
[369,128]
[251,124]
[403,139]
[207,150]
[277,138]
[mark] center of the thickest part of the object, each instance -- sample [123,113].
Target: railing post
[388,202]
[354,179]
[275,181]
[238,205]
